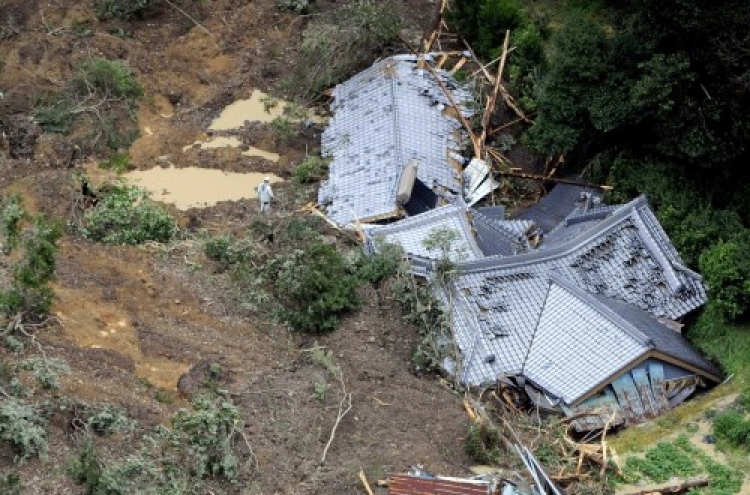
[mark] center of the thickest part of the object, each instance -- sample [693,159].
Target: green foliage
[283,129]
[81,28]
[10,484]
[11,214]
[342,41]
[312,169]
[54,114]
[118,163]
[733,427]
[46,370]
[112,78]
[679,458]
[126,215]
[726,269]
[201,439]
[298,6]
[108,419]
[121,9]
[482,443]
[314,288]
[23,428]
[422,309]
[85,468]
[382,265]
[30,292]
[495,17]
[320,389]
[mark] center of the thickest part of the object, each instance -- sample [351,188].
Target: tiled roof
[577,344]
[410,233]
[626,256]
[497,301]
[383,118]
[555,206]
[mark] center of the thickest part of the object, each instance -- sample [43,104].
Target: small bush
[109,77]
[46,371]
[118,163]
[11,214]
[107,420]
[314,288]
[298,6]
[381,266]
[121,9]
[86,469]
[54,114]
[30,292]
[312,169]
[733,427]
[10,484]
[126,215]
[23,428]
[482,443]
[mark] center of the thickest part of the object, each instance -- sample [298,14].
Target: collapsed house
[572,300]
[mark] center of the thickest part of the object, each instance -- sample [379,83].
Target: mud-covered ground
[130,321]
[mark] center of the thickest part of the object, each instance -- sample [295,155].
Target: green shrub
[11,214]
[312,169]
[107,420]
[30,292]
[23,428]
[112,78]
[314,288]
[10,484]
[726,270]
[55,114]
[298,6]
[733,427]
[482,443]
[46,370]
[121,9]
[86,469]
[342,41]
[118,163]
[381,266]
[126,215]
[202,439]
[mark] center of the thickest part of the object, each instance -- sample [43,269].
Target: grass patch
[682,459]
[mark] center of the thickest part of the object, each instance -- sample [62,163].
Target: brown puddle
[98,324]
[232,142]
[194,187]
[252,109]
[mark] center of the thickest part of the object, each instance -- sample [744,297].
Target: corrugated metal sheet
[411,485]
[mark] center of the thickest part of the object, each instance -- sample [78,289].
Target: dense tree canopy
[652,96]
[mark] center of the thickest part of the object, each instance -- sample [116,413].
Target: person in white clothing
[265,195]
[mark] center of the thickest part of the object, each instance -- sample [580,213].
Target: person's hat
[266,179]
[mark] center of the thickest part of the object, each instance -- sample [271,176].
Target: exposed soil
[130,321]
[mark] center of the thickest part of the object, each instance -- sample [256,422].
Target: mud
[232,142]
[194,187]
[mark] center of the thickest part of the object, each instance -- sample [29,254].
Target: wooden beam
[474,141]
[458,65]
[495,90]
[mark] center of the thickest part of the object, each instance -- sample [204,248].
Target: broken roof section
[385,117]
[414,233]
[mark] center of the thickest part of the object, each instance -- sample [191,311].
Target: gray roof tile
[383,118]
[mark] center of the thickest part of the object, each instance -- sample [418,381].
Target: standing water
[194,187]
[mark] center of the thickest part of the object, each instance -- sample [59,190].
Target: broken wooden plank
[364,481]
[656,374]
[495,90]
[458,65]
[628,396]
[643,385]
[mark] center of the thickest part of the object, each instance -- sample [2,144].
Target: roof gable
[577,345]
